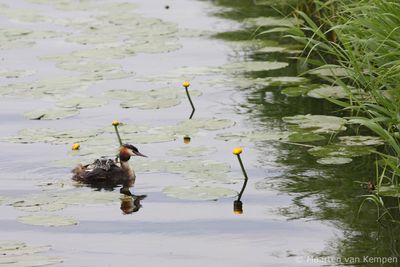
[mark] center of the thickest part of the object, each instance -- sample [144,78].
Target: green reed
[361,38]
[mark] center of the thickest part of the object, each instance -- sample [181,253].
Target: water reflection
[238,204]
[186,139]
[130,203]
[325,193]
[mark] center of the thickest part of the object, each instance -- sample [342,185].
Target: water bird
[107,171]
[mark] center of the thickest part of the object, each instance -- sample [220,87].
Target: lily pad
[271,49]
[189,151]
[37,203]
[47,220]
[361,140]
[318,123]
[389,191]
[46,135]
[271,21]
[334,160]
[254,136]
[250,66]
[16,248]
[330,70]
[51,114]
[305,137]
[29,260]
[82,102]
[335,150]
[10,74]
[88,198]
[336,92]
[198,192]
[297,91]
[151,99]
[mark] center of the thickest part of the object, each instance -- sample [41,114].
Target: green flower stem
[191,103]
[117,132]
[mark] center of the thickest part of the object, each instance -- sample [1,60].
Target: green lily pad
[29,260]
[9,74]
[388,191]
[361,140]
[334,160]
[151,103]
[88,198]
[305,137]
[189,151]
[195,170]
[51,114]
[198,192]
[330,70]
[318,123]
[17,248]
[151,99]
[47,220]
[37,203]
[46,135]
[250,66]
[20,254]
[271,49]
[272,21]
[82,102]
[253,136]
[336,92]
[297,91]
[335,150]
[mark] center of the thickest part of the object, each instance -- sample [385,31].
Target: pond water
[69,68]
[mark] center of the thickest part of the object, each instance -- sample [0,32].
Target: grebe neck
[128,169]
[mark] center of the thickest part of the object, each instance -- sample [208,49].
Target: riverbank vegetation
[356,45]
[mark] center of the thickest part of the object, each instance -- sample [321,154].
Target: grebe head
[126,151]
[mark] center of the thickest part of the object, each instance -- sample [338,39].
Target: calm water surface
[295,210]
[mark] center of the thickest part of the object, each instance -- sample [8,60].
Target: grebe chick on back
[107,171]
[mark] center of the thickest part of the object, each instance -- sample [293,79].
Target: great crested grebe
[107,171]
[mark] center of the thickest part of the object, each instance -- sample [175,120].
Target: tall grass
[362,40]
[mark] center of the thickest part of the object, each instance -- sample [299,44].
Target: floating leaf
[189,151]
[198,192]
[253,136]
[305,137]
[82,102]
[297,91]
[361,140]
[51,114]
[46,135]
[317,123]
[335,150]
[47,220]
[271,21]
[388,191]
[16,248]
[271,49]
[29,260]
[9,74]
[334,160]
[37,203]
[88,198]
[330,70]
[250,66]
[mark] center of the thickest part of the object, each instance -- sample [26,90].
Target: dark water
[330,194]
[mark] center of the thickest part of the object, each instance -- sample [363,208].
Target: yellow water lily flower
[115,123]
[76,146]
[186,84]
[237,150]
